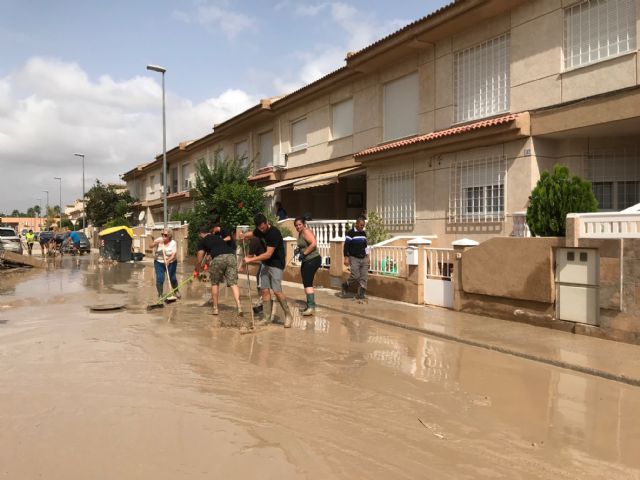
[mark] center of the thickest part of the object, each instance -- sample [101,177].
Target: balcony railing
[327,230]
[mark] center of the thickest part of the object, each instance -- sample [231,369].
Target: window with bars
[598,29]
[477,190]
[481,80]
[614,177]
[396,199]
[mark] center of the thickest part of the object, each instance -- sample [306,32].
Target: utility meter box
[412,255]
[577,273]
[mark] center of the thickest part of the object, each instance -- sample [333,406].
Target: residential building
[444,126]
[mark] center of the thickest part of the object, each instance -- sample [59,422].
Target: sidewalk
[603,358]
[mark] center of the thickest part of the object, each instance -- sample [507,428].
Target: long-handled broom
[253,321]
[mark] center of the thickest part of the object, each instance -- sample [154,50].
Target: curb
[496,348]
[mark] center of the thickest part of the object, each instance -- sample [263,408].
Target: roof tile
[435,135]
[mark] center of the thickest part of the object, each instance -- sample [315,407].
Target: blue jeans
[160,270]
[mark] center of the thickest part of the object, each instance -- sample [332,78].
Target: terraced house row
[444,126]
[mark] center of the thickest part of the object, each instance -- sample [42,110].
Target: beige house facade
[444,126]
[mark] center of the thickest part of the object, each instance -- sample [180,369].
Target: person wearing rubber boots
[273,263]
[356,256]
[223,266]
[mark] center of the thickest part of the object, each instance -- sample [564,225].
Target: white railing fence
[325,231]
[520,227]
[608,225]
[388,261]
[439,263]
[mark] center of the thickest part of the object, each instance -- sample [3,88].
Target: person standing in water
[310,260]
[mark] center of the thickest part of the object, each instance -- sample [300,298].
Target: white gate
[438,289]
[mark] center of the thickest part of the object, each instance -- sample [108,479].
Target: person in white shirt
[165,249]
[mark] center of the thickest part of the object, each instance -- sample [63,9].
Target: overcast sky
[73,77]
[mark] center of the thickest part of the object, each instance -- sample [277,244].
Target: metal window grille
[477,190]
[482,79]
[614,177]
[396,199]
[598,29]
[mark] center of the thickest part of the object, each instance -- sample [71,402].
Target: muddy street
[164,395]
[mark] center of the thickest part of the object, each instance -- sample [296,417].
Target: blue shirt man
[75,238]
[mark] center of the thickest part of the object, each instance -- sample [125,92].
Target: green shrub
[554,196]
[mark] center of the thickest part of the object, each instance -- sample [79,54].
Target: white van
[9,241]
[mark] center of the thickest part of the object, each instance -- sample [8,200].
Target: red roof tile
[435,135]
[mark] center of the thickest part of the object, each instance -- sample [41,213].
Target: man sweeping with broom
[273,263]
[223,266]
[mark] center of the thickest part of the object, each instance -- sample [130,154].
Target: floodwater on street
[133,394]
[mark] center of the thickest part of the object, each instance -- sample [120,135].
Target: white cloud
[216,17]
[50,109]
[359,29]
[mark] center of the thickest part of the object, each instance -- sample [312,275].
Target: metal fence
[439,263]
[388,261]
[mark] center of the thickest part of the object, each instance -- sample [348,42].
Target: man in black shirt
[223,266]
[273,263]
[223,233]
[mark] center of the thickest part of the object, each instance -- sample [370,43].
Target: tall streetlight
[39,213]
[162,70]
[60,204]
[46,213]
[83,212]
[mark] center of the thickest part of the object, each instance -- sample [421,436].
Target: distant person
[310,260]
[356,256]
[75,240]
[165,250]
[31,239]
[273,263]
[281,213]
[223,266]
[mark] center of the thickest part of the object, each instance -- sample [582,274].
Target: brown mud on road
[163,395]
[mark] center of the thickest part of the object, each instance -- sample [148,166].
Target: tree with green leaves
[555,195]
[108,205]
[222,194]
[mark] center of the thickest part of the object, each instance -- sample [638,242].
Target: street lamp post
[83,211]
[46,213]
[162,70]
[60,204]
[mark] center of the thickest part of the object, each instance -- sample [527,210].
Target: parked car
[9,241]
[85,246]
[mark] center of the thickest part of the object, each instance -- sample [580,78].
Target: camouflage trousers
[224,267]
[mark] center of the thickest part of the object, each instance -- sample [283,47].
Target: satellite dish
[141,216]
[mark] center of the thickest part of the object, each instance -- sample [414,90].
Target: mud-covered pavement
[163,395]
